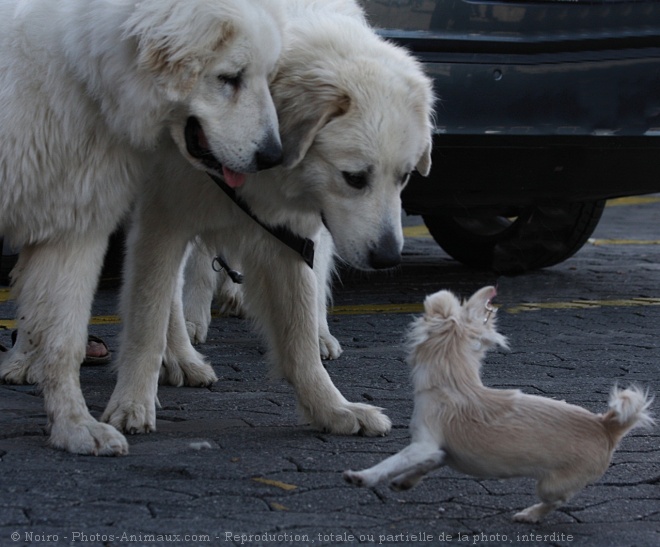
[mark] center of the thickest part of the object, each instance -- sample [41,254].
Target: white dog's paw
[358,478]
[330,346]
[197,331]
[193,373]
[372,422]
[184,366]
[132,417]
[352,419]
[14,370]
[88,437]
[229,299]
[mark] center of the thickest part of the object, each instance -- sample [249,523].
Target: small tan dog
[496,433]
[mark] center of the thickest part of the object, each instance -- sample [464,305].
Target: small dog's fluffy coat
[492,432]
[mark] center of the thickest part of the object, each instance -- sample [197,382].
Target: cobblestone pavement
[233,465]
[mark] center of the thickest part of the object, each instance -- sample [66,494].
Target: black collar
[302,245]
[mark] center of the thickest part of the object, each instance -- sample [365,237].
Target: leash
[236,277]
[301,245]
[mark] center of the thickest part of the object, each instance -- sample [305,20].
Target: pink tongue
[232,178]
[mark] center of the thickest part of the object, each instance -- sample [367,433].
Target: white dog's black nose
[386,253]
[269,153]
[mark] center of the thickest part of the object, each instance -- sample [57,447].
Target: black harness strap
[302,245]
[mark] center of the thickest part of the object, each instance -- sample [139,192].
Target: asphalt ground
[233,465]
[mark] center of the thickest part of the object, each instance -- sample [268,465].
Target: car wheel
[518,240]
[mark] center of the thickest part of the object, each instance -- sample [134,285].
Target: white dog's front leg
[154,255]
[54,289]
[280,291]
[407,467]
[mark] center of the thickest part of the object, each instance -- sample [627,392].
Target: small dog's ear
[441,304]
[479,303]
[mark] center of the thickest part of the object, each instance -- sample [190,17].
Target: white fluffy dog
[93,93]
[355,120]
[487,432]
[205,278]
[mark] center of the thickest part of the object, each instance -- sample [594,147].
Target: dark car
[545,110]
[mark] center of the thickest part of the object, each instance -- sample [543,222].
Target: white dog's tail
[629,408]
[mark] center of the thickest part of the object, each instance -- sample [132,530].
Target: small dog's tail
[629,408]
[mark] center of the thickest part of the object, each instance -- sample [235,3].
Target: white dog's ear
[305,104]
[174,59]
[424,164]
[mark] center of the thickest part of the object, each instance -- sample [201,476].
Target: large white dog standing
[92,94]
[355,120]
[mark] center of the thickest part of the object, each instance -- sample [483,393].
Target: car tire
[526,238]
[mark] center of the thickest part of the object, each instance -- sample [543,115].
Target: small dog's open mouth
[198,147]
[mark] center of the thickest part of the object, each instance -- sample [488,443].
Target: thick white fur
[203,281]
[93,93]
[346,101]
[487,432]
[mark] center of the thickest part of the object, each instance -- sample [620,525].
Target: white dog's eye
[356,180]
[233,80]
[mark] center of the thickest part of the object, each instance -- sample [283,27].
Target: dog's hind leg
[554,491]
[200,281]
[324,268]
[182,363]
[54,287]
[410,478]
[155,251]
[536,512]
[405,468]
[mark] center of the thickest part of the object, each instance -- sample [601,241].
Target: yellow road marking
[583,304]
[372,309]
[422,231]
[4,294]
[633,200]
[97,320]
[416,231]
[376,309]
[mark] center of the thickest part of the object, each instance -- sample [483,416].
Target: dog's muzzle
[386,253]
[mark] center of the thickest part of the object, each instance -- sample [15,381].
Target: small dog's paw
[354,477]
[527,515]
[399,485]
